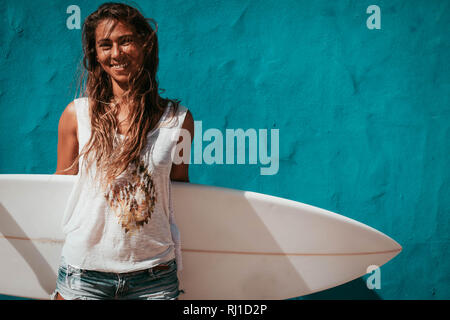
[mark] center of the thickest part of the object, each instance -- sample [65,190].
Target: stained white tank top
[130,226]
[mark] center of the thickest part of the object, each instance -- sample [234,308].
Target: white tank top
[131,225]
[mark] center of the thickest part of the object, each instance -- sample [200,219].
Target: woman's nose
[115,51]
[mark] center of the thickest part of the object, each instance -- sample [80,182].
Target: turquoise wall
[363,115]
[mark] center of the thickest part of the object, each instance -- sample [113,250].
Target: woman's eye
[127,41]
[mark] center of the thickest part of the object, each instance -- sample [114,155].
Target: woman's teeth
[120,66]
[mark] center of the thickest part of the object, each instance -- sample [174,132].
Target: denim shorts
[160,283]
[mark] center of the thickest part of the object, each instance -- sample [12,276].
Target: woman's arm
[67,141]
[180,172]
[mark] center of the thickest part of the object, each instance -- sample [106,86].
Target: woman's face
[120,53]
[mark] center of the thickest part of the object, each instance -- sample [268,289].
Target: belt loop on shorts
[68,273]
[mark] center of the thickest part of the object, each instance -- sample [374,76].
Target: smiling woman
[121,238]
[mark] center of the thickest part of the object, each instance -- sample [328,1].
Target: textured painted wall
[363,115]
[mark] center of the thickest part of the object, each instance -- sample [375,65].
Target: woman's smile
[120,67]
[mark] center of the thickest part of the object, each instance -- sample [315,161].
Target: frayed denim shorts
[157,283]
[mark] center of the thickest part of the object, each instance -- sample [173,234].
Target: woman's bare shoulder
[68,119]
[67,141]
[188,123]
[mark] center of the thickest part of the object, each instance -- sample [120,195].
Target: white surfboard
[235,244]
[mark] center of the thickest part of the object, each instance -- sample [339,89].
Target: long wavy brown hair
[142,97]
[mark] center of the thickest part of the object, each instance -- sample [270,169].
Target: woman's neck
[118,90]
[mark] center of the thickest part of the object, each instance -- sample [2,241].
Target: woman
[121,238]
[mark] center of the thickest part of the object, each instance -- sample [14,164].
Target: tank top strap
[170,120]
[83,121]
[181,115]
